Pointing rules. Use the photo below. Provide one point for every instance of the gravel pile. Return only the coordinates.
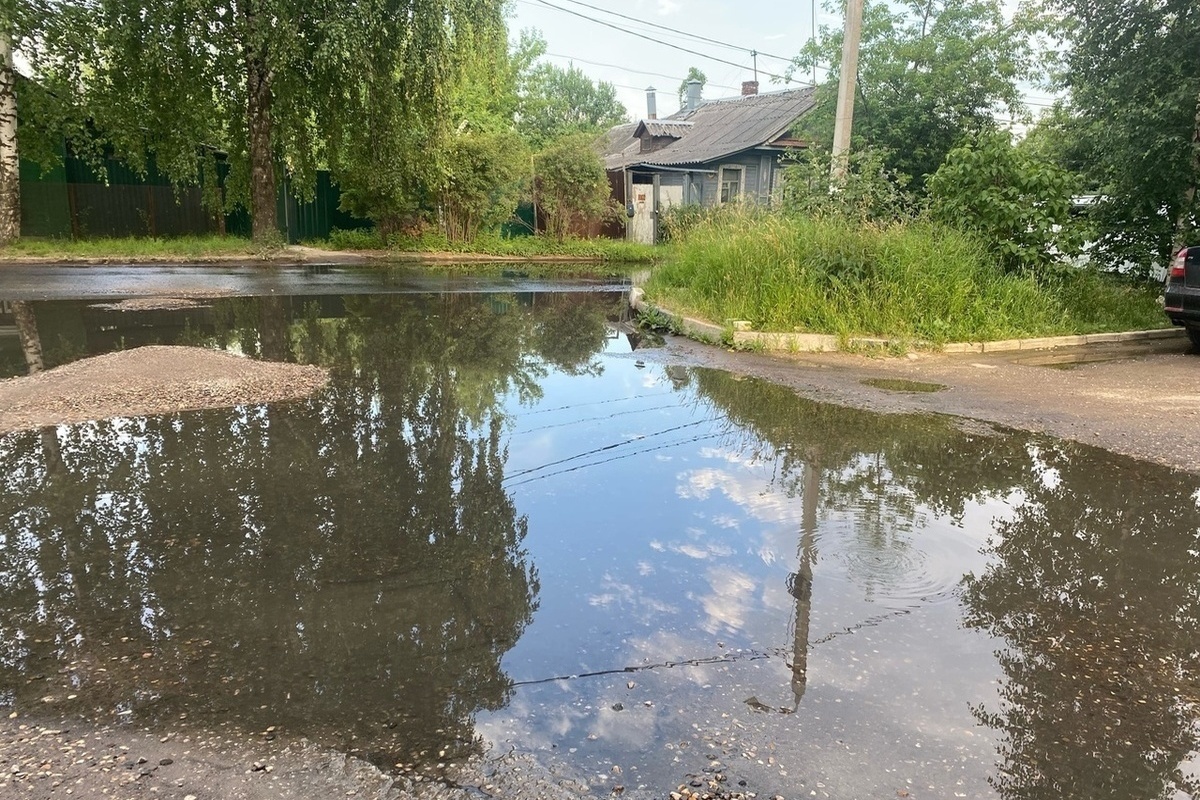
(146, 381)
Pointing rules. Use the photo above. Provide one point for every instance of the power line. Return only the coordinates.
(695, 36)
(661, 42)
(636, 71)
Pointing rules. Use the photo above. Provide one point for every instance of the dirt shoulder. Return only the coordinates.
(1141, 400)
(149, 380)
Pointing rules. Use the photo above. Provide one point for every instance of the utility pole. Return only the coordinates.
(846, 84)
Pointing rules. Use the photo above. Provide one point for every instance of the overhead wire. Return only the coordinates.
(636, 71)
(679, 32)
(649, 38)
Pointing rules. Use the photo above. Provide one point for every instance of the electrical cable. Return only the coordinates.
(695, 36)
(666, 44)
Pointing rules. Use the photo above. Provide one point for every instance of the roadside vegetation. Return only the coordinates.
(945, 226)
(135, 248)
(913, 280)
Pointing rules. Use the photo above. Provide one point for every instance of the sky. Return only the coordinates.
(632, 63)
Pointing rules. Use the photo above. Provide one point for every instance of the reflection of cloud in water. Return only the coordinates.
(634, 601)
(750, 492)
(730, 601)
(700, 551)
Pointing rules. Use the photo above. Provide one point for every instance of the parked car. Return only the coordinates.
(1181, 293)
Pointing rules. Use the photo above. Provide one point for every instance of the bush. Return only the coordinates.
(356, 239)
(868, 192)
(1019, 204)
(572, 187)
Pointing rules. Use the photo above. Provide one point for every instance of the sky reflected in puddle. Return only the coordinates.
(502, 527)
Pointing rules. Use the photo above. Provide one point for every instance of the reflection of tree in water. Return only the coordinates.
(1095, 586)
(346, 568)
(1095, 590)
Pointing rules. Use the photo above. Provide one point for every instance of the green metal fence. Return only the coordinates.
(74, 201)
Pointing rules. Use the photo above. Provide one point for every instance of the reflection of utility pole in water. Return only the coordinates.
(799, 583)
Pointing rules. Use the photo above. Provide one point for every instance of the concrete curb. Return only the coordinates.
(824, 343)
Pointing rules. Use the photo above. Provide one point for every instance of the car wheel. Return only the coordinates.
(1194, 335)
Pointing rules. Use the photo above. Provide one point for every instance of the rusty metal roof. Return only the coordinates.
(717, 129)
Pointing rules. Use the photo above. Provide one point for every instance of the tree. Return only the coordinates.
(1018, 203)
(556, 102)
(572, 188)
(10, 178)
(694, 74)
(277, 84)
(930, 72)
(1132, 119)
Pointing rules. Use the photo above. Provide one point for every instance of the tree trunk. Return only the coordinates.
(27, 332)
(1187, 213)
(10, 173)
(258, 113)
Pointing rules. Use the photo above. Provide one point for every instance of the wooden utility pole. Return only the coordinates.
(846, 85)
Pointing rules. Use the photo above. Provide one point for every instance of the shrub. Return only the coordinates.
(572, 187)
(868, 192)
(1018, 203)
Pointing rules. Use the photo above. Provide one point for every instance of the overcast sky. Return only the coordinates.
(633, 63)
(615, 54)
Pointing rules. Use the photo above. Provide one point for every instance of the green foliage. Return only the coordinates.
(569, 248)
(929, 72)
(195, 248)
(1019, 204)
(356, 239)
(694, 74)
(485, 178)
(912, 280)
(571, 185)
(869, 190)
(1132, 123)
(556, 102)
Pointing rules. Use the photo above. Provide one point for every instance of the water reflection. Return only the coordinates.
(496, 522)
(348, 568)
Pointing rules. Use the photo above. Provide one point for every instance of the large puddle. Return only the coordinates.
(505, 526)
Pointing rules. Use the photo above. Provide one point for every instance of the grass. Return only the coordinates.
(914, 281)
(134, 248)
(599, 249)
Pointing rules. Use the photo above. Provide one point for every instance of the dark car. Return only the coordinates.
(1181, 293)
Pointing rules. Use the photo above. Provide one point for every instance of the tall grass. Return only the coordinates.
(911, 280)
(599, 249)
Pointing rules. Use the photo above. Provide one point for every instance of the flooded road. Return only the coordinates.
(505, 527)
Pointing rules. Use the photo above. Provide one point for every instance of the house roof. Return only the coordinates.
(674, 129)
(718, 128)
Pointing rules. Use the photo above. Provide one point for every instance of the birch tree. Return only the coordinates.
(10, 178)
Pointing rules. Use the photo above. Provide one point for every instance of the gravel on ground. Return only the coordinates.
(146, 381)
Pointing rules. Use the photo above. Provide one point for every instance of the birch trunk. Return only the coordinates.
(10, 174)
(27, 332)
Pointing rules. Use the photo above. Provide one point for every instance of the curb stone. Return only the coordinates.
(824, 343)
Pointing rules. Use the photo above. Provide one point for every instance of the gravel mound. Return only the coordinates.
(147, 381)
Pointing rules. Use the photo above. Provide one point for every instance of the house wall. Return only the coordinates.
(758, 172)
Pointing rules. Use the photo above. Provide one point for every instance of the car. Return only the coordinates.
(1181, 293)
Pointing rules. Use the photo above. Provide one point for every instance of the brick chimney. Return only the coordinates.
(749, 87)
(651, 103)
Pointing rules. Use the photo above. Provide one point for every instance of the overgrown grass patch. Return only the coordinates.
(490, 244)
(133, 248)
(912, 280)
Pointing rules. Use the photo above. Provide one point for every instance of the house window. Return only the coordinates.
(731, 184)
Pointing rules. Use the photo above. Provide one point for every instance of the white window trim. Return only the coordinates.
(741, 182)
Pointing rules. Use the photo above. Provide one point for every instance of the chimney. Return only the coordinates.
(749, 87)
(651, 104)
(694, 88)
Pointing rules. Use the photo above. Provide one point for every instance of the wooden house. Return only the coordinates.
(709, 153)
